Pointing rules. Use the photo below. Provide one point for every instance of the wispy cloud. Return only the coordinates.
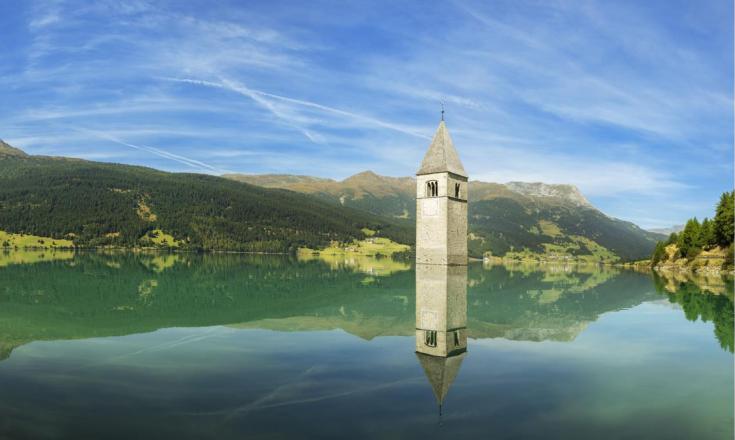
(193, 163)
(649, 92)
(44, 20)
(262, 98)
(595, 178)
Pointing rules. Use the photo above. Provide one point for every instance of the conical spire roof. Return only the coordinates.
(441, 157)
(441, 372)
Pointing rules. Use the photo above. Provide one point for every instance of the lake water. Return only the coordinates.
(186, 346)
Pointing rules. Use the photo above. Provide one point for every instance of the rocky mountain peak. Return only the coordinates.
(568, 193)
(363, 176)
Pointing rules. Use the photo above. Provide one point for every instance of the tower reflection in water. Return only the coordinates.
(441, 324)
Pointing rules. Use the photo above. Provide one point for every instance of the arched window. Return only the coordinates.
(432, 188)
(456, 190)
(430, 338)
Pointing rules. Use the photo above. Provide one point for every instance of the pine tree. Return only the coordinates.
(724, 223)
(707, 235)
(689, 241)
(673, 238)
(658, 253)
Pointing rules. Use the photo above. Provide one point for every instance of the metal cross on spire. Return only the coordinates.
(442, 103)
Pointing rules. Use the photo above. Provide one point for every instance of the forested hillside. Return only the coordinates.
(519, 225)
(100, 204)
(519, 220)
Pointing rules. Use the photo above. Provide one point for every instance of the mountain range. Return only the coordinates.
(104, 204)
(669, 230)
(515, 218)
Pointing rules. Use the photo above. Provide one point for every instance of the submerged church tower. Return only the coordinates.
(441, 204)
(441, 263)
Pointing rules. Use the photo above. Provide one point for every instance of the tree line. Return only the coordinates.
(708, 234)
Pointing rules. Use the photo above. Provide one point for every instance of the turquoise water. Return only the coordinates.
(178, 346)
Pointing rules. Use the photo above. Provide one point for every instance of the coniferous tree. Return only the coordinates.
(710, 233)
(658, 253)
(724, 222)
(707, 234)
(689, 240)
(673, 238)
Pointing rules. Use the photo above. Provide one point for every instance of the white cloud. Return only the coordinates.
(262, 98)
(593, 178)
(44, 20)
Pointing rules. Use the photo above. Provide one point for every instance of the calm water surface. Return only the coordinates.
(180, 346)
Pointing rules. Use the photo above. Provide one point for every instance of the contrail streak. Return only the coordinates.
(258, 95)
(157, 151)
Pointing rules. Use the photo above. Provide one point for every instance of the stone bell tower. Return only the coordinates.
(441, 204)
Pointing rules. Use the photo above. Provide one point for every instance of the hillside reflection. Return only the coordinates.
(699, 303)
(97, 295)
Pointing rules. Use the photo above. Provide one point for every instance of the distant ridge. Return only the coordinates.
(369, 182)
(276, 180)
(537, 189)
(551, 219)
(668, 231)
(103, 204)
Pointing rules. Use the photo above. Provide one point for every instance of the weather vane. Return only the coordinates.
(442, 103)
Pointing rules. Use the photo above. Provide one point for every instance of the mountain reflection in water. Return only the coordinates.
(97, 345)
(95, 295)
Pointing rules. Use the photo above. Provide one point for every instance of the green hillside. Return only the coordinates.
(100, 204)
(514, 220)
(507, 222)
(8, 150)
(52, 201)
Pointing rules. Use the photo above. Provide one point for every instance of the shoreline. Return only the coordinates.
(138, 249)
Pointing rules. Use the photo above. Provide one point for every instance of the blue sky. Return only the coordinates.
(631, 101)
